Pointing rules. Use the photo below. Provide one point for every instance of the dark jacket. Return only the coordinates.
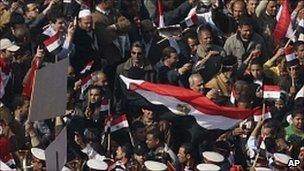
(86, 50)
(146, 72)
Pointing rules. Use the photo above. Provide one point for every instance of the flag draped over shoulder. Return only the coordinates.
(185, 103)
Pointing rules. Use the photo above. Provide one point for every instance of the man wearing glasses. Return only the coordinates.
(137, 66)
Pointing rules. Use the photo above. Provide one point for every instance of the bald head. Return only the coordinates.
(238, 9)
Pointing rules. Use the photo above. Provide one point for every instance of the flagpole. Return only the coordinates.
(109, 141)
(131, 138)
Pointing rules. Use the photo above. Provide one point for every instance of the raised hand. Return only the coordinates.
(39, 52)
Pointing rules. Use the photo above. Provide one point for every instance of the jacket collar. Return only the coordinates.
(128, 64)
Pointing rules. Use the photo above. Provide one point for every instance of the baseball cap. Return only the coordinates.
(6, 44)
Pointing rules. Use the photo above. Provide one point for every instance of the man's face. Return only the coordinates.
(294, 71)
(300, 53)
(192, 43)
(148, 33)
(245, 32)
(298, 121)
(266, 132)
(32, 11)
(238, 10)
(271, 8)
(119, 153)
(109, 4)
(151, 141)
(279, 104)
(25, 109)
(252, 5)
(140, 134)
(85, 23)
(140, 158)
(94, 96)
(148, 116)
(198, 84)
(7, 55)
(173, 59)
(182, 156)
(256, 71)
(59, 25)
(2, 8)
(101, 81)
(205, 38)
(136, 55)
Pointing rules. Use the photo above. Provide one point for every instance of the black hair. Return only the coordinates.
(188, 148)
(296, 112)
(256, 61)
(167, 52)
(297, 44)
(157, 134)
(137, 44)
(16, 19)
(137, 125)
(18, 101)
(244, 20)
(95, 87)
(127, 148)
(55, 14)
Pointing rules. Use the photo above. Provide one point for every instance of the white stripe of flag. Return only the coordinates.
(207, 114)
(87, 67)
(117, 123)
(52, 43)
(271, 92)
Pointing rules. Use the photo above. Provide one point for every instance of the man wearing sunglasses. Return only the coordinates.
(136, 66)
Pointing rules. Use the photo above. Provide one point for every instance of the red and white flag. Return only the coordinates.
(160, 10)
(53, 42)
(87, 67)
(117, 123)
(29, 83)
(105, 105)
(181, 101)
(161, 24)
(191, 20)
(290, 54)
(271, 92)
(85, 83)
(284, 26)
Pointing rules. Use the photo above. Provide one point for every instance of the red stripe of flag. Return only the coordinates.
(52, 43)
(283, 22)
(197, 100)
(27, 88)
(119, 119)
(271, 88)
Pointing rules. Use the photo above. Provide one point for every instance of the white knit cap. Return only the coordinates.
(84, 13)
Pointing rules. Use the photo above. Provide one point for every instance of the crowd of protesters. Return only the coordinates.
(229, 61)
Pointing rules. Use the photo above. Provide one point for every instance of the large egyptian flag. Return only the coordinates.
(185, 104)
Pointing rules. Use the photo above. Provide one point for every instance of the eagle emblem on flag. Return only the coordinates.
(183, 109)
